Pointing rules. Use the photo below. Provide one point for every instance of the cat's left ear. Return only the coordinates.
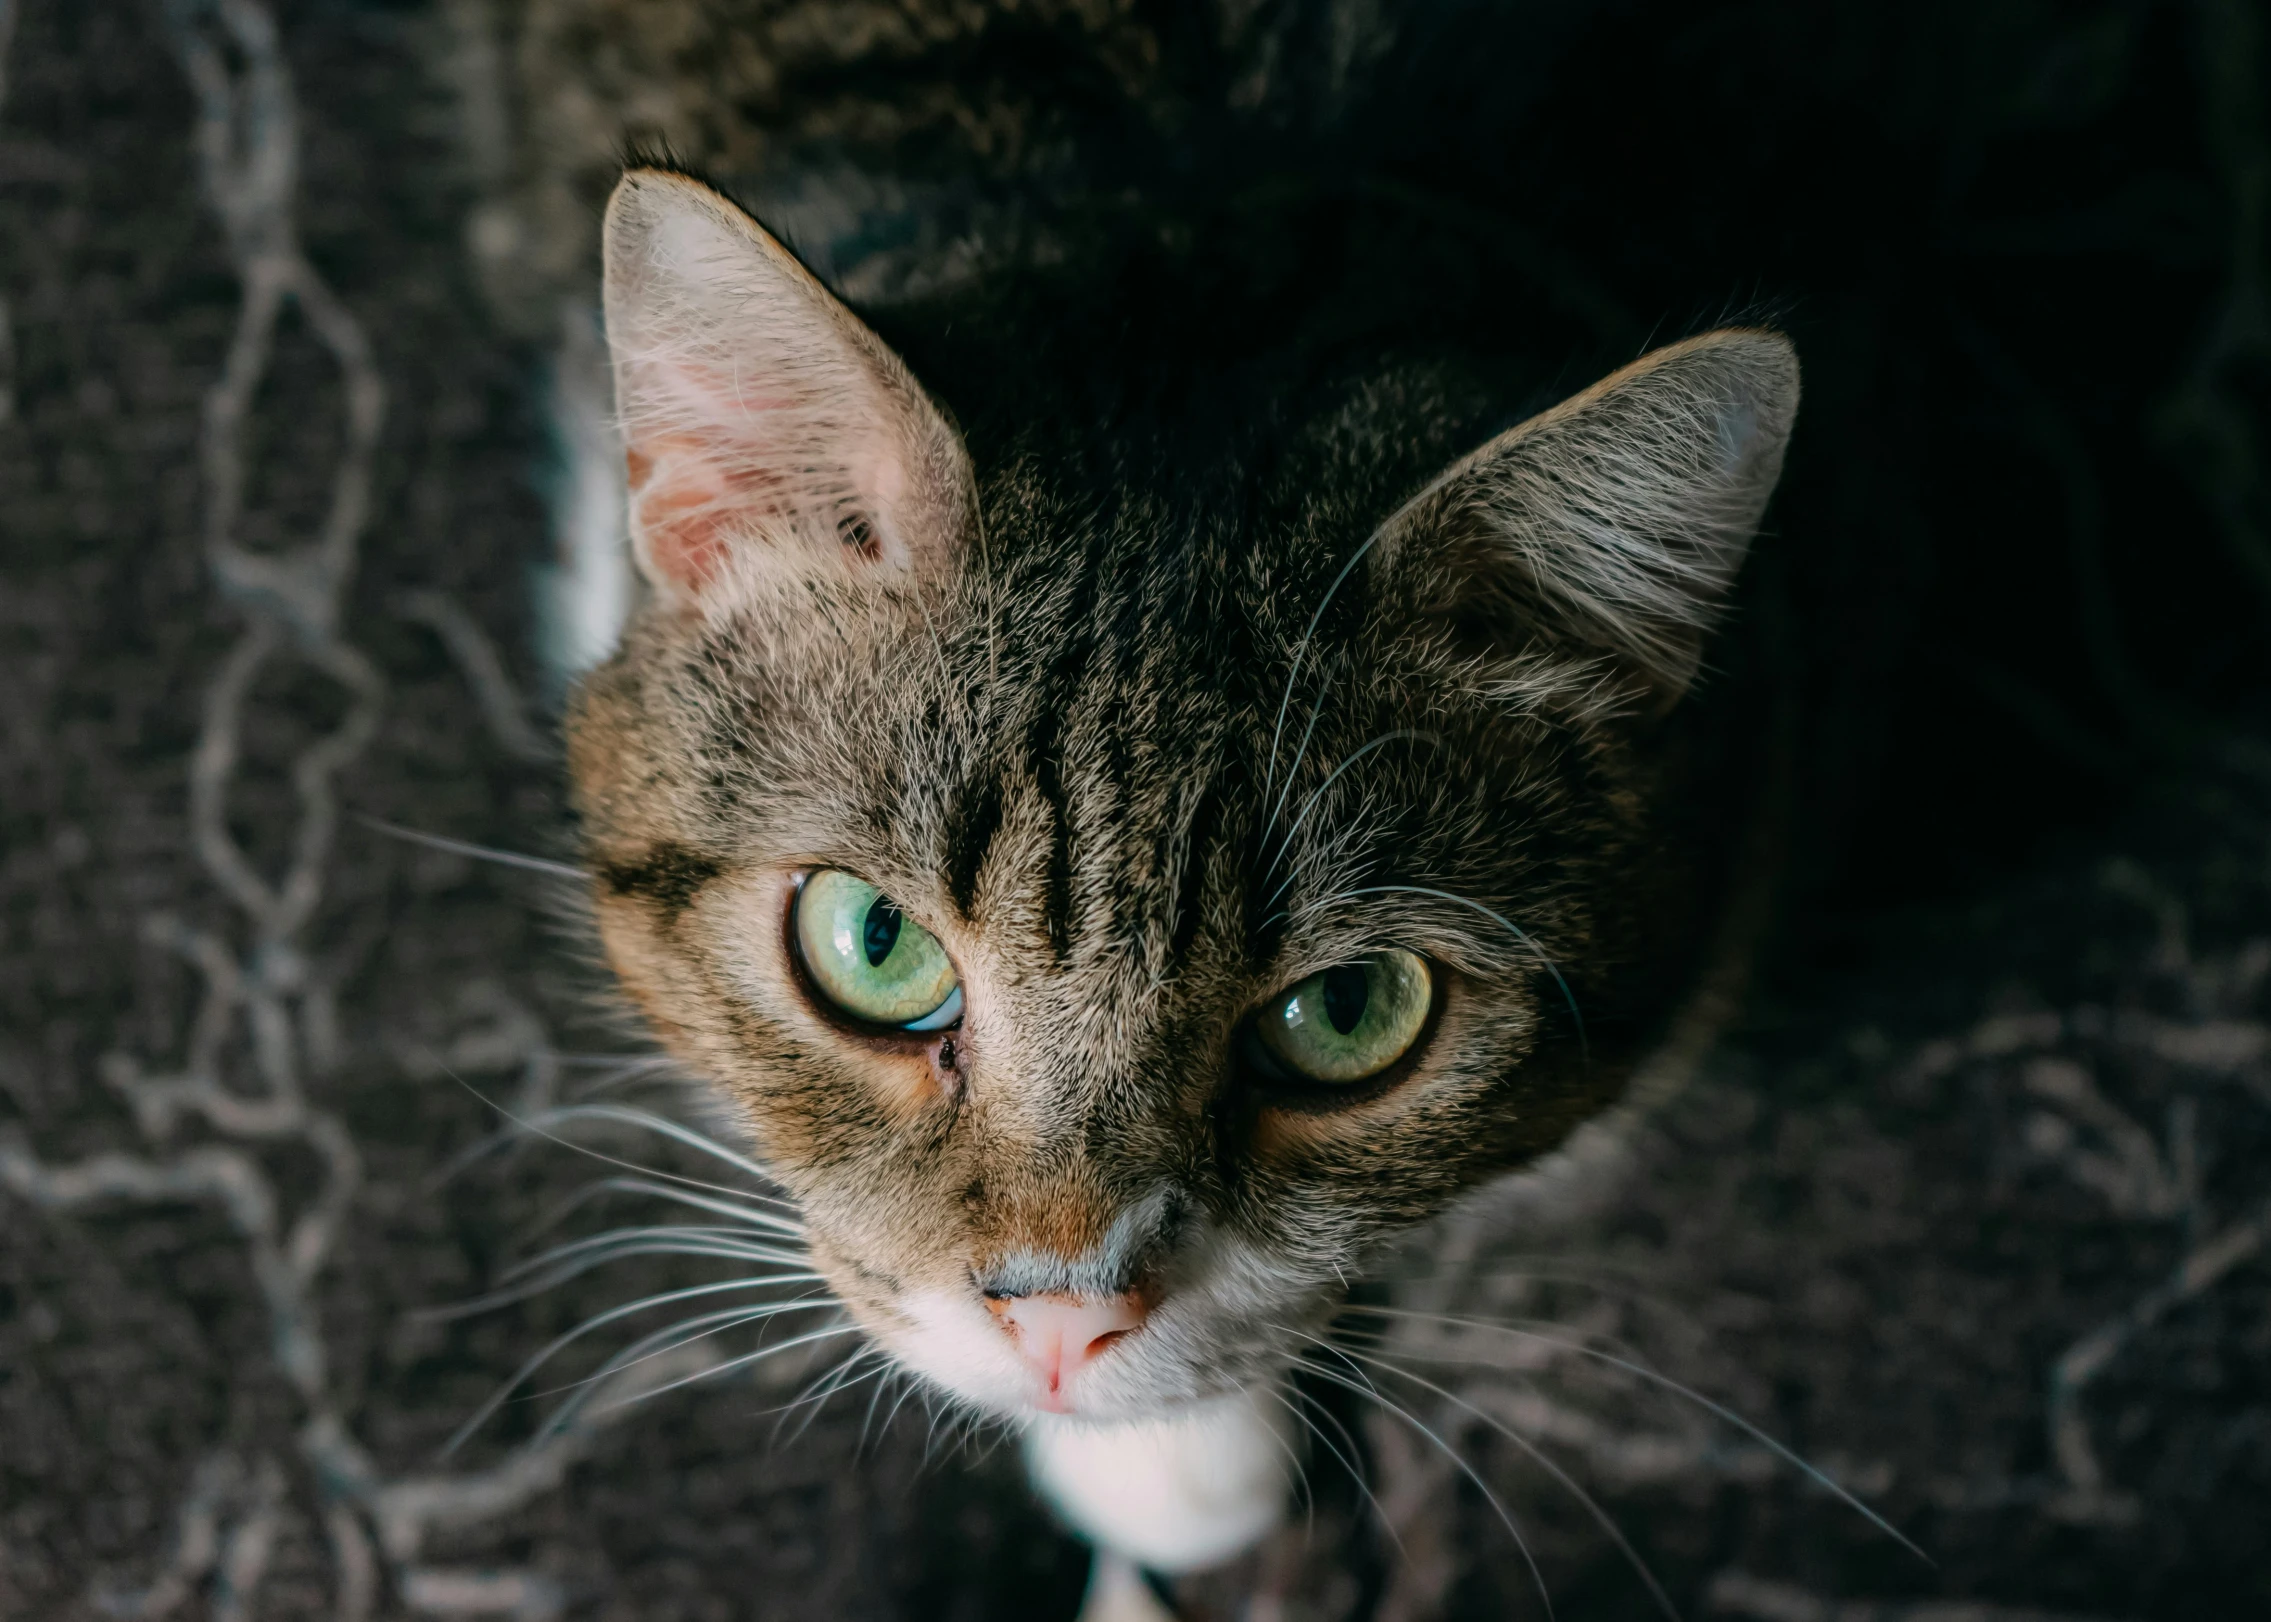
(766, 429)
(1615, 522)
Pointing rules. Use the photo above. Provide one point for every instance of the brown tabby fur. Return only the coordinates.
(1138, 762)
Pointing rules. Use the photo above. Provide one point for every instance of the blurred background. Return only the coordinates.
(1974, 1213)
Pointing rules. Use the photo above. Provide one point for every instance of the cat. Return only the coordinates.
(1154, 757)
(1127, 828)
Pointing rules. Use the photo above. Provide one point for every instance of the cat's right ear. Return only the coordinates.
(765, 428)
(1615, 522)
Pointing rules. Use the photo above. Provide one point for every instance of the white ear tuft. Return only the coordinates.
(1618, 519)
(765, 428)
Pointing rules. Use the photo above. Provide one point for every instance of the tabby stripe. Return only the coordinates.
(1187, 881)
(1054, 694)
(1048, 779)
(668, 875)
(973, 825)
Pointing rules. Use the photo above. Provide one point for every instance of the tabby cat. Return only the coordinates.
(1145, 767)
(1123, 850)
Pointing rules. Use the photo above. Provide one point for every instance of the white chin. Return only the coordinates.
(1178, 1492)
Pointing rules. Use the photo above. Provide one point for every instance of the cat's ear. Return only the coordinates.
(1616, 521)
(765, 428)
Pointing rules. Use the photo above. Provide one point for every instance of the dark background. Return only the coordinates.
(2022, 249)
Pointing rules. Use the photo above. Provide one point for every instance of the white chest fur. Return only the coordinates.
(1175, 1494)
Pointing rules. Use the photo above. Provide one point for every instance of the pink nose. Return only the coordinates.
(1059, 1335)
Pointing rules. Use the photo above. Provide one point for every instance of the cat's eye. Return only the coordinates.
(870, 959)
(1350, 1022)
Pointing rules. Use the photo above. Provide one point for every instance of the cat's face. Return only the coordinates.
(1110, 930)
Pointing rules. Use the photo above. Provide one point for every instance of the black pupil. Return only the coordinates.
(1347, 989)
(881, 931)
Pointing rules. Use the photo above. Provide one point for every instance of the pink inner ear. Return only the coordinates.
(687, 499)
(713, 467)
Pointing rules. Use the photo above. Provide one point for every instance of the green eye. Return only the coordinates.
(1349, 1022)
(869, 959)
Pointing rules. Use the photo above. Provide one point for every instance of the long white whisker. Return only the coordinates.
(542, 1282)
(867, 1421)
(1349, 1460)
(555, 1270)
(1380, 1341)
(833, 1381)
(1665, 1382)
(1302, 1486)
(910, 1386)
(1601, 1517)
(480, 853)
(1298, 1412)
(555, 1280)
(764, 1220)
(625, 1074)
(636, 1117)
(728, 1243)
(559, 1343)
(552, 1280)
(1308, 733)
(1293, 674)
(1332, 849)
(1608, 1287)
(930, 1436)
(625, 1115)
(1310, 804)
(1293, 1458)
(1574, 1267)
(1364, 1387)
(726, 1367)
(685, 1332)
(992, 1436)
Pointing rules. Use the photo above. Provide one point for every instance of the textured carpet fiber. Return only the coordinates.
(1981, 1230)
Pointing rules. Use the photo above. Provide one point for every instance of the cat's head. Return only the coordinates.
(1110, 919)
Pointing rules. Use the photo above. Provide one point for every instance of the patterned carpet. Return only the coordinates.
(1972, 1220)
